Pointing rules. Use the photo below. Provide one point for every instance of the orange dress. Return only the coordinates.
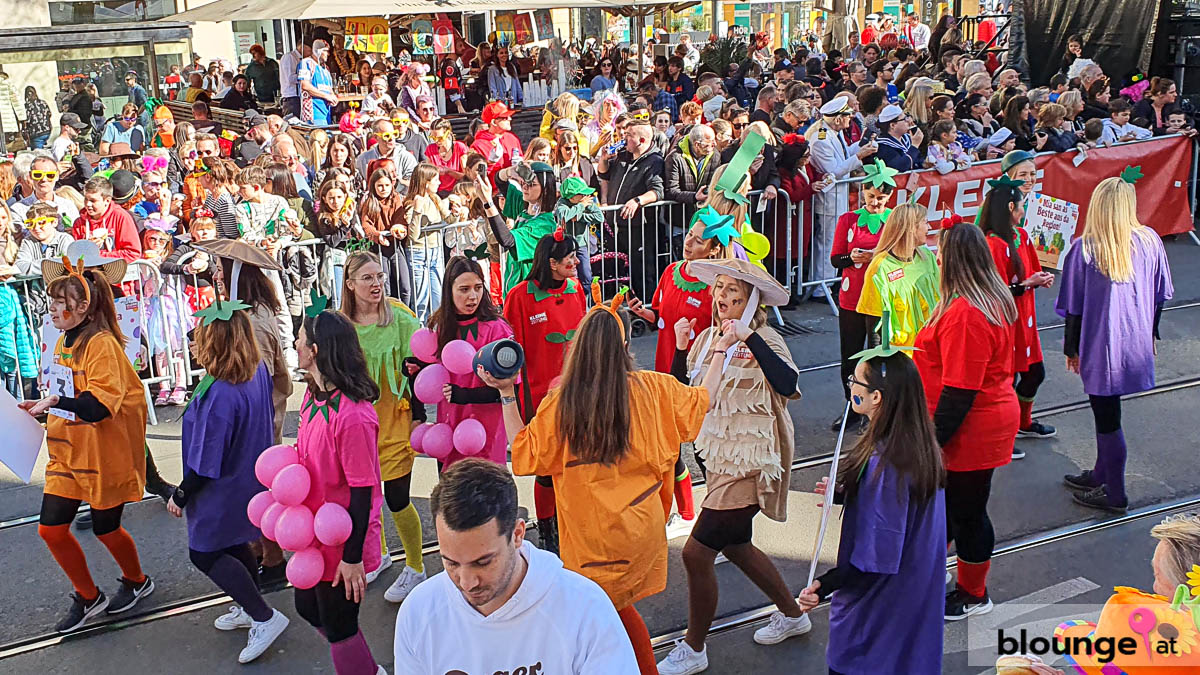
(611, 525)
(102, 463)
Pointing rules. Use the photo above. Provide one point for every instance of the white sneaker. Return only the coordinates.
(720, 559)
(683, 660)
(234, 619)
(262, 635)
(781, 627)
(678, 527)
(380, 670)
(374, 574)
(403, 585)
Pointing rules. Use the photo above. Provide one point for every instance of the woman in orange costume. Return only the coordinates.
(95, 433)
(544, 311)
(609, 436)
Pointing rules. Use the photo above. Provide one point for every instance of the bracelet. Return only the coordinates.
(508, 400)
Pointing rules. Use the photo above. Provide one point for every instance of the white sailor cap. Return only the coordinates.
(872, 17)
(891, 113)
(837, 104)
(1000, 137)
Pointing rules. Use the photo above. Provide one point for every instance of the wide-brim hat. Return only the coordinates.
(112, 269)
(240, 251)
(771, 292)
(119, 149)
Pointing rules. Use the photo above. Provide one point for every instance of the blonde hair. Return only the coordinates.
(318, 145)
(1051, 115)
(1182, 534)
(905, 228)
(724, 205)
(1111, 227)
(70, 194)
(704, 93)
(1070, 99)
(10, 236)
(968, 272)
(760, 127)
(349, 307)
(566, 106)
(537, 144)
(917, 102)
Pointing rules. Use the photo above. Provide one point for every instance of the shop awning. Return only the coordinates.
(249, 10)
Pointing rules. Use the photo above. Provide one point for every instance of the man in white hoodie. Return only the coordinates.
(502, 605)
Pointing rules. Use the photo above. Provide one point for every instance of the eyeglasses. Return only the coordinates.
(38, 174)
(851, 380)
(386, 135)
(372, 278)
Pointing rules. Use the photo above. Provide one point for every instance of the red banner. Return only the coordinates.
(1162, 191)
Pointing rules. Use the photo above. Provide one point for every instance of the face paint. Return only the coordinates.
(66, 314)
(857, 399)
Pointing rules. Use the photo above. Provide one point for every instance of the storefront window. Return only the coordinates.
(77, 12)
(166, 55)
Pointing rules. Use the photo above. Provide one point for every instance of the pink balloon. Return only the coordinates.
(438, 441)
(469, 437)
(294, 528)
(269, 518)
(305, 568)
(429, 383)
(332, 524)
(457, 356)
(271, 462)
(424, 345)
(291, 485)
(418, 435)
(258, 505)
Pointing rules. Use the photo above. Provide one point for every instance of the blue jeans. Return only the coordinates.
(39, 141)
(585, 262)
(427, 271)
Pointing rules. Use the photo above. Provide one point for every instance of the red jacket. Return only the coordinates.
(798, 187)
(484, 146)
(122, 233)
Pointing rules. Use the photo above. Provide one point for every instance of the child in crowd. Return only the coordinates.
(578, 214)
(299, 269)
(946, 154)
(1117, 128)
(1093, 130)
(195, 267)
(165, 312)
(999, 144)
(259, 212)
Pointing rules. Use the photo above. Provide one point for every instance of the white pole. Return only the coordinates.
(827, 506)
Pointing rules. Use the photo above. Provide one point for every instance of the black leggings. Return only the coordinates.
(204, 560)
(1029, 381)
(719, 529)
(327, 609)
(61, 511)
(396, 491)
(853, 329)
(967, 522)
(1107, 412)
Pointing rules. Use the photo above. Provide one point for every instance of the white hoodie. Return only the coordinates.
(557, 623)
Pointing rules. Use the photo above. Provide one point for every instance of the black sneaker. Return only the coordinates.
(81, 610)
(84, 520)
(1098, 499)
(1018, 453)
(272, 577)
(961, 604)
(1037, 430)
(129, 594)
(1083, 481)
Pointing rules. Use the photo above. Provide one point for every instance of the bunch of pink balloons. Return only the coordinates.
(438, 440)
(283, 517)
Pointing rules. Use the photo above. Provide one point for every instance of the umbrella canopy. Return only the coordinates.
(224, 10)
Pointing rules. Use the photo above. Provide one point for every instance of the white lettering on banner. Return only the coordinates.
(967, 192)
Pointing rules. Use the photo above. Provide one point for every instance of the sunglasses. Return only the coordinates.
(606, 65)
(641, 115)
(743, 125)
(129, 119)
(43, 221)
(37, 174)
(151, 186)
(386, 135)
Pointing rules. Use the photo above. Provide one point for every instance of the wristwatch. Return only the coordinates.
(506, 400)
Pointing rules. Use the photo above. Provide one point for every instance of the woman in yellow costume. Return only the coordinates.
(385, 326)
(609, 435)
(902, 278)
(95, 431)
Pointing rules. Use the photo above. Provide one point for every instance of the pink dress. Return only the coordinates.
(490, 415)
(337, 443)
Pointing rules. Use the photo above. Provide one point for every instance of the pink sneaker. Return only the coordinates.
(164, 395)
(178, 397)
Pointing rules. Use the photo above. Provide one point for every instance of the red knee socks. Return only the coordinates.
(683, 495)
(972, 577)
(639, 636)
(124, 551)
(543, 501)
(1026, 412)
(66, 551)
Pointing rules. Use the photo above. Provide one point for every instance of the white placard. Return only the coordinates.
(60, 381)
(1051, 224)
(23, 437)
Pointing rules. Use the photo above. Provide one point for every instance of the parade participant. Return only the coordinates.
(854, 243)
(902, 277)
(224, 431)
(338, 445)
(95, 432)
(893, 529)
(467, 313)
(502, 605)
(748, 458)
(831, 155)
(1117, 268)
(385, 326)
(965, 355)
(544, 312)
(530, 212)
(609, 436)
(1016, 260)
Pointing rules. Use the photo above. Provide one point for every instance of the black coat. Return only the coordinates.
(628, 177)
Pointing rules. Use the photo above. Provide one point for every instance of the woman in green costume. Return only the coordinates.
(529, 211)
(902, 278)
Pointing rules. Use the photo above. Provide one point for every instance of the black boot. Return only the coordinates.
(548, 534)
(155, 484)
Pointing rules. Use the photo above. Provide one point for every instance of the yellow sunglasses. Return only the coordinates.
(38, 174)
(44, 220)
(386, 135)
